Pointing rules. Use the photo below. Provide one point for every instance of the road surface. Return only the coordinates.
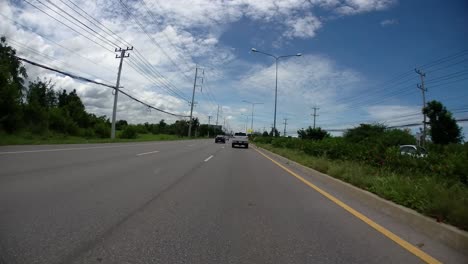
(179, 202)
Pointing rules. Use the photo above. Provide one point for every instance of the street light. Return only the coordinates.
(246, 121)
(276, 83)
(253, 105)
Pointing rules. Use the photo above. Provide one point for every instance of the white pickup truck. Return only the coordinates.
(240, 139)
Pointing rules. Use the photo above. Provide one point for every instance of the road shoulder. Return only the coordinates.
(442, 241)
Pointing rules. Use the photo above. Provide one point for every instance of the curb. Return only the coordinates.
(444, 233)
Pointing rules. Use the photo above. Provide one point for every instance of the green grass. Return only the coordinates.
(443, 199)
(54, 138)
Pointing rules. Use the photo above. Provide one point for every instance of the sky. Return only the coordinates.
(357, 66)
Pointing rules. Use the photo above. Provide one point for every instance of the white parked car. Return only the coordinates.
(413, 150)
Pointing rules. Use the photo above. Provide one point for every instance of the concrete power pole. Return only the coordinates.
(217, 115)
(315, 113)
(423, 90)
(209, 121)
(224, 124)
(285, 124)
(116, 91)
(193, 98)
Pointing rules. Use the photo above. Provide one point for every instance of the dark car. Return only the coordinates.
(220, 138)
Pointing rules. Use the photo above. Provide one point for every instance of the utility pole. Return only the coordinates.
(217, 115)
(315, 113)
(209, 120)
(116, 91)
(423, 90)
(193, 98)
(285, 124)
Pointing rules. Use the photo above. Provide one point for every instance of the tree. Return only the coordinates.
(12, 75)
(277, 134)
(75, 108)
(444, 128)
(180, 128)
(41, 93)
(40, 99)
(363, 132)
(313, 133)
(265, 134)
(121, 124)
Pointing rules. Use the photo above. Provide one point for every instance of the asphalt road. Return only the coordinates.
(174, 202)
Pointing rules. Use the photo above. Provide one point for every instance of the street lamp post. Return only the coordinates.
(246, 121)
(253, 105)
(276, 81)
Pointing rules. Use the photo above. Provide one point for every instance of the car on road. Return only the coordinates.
(220, 138)
(413, 150)
(240, 139)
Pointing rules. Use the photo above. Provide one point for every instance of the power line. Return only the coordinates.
(98, 83)
(403, 78)
(61, 62)
(153, 40)
(58, 44)
(68, 26)
(166, 84)
(77, 20)
(164, 33)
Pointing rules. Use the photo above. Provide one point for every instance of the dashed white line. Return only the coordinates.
(191, 145)
(207, 159)
(145, 153)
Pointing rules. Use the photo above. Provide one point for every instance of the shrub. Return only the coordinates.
(89, 133)
(129, 132)
(102, 130)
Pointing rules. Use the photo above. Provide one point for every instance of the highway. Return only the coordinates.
(187, 201)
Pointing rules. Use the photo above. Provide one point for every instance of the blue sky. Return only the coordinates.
(356, 65)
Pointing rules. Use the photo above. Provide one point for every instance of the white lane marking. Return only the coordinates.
(191, 145)
(145, 153)
(222, 147)
(207, 159)
(67, 149)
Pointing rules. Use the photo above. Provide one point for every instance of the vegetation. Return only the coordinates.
(444, 128)
(56, 138)
(313, 133)
(40, 112)
(368, 157)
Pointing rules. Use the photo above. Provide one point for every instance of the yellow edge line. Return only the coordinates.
(406, 245)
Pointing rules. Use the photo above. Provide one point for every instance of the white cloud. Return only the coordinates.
(303, 27)
(182, 33)
(302, 82)
(388, 22)
(352, 7)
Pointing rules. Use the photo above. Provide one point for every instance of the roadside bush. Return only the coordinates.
(396, 137)
(89, 133)
(139, 129)
(102, 130)
(263, 140)
(129, 132)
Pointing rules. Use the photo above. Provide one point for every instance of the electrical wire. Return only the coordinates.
(98, 83)
(99, 44)
(142, 27)
(160, 79)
